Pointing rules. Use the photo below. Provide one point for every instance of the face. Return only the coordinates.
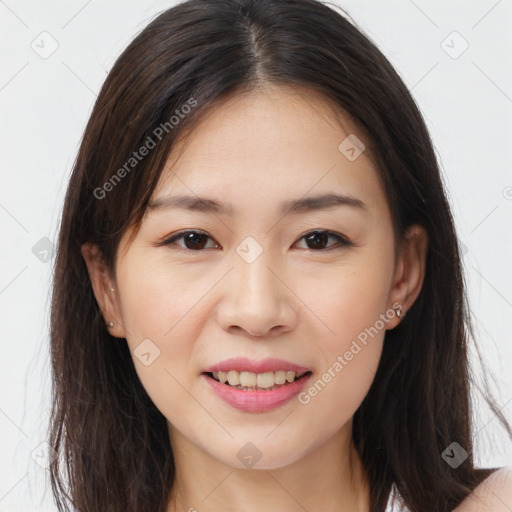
(254, 277)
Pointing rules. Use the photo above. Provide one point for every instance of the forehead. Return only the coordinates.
(267, 146)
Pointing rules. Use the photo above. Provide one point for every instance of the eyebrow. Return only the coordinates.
(302, 205)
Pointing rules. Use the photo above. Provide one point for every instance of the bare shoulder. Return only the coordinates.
(494, 494)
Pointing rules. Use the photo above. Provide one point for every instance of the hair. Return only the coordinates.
(112, 441)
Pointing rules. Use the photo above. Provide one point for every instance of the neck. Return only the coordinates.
(329, 478)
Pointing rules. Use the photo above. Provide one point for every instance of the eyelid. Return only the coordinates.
(169, 240)
(343, 241)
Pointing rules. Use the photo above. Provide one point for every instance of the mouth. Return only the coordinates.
(256, 386)
(251, 381)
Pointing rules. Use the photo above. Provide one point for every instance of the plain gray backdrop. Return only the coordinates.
(454, 57)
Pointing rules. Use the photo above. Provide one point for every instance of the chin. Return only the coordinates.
(262, 455)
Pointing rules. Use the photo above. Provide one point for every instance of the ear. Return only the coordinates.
(410, 271)
(104, 290)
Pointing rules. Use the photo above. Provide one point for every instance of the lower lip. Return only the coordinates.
(257, 401)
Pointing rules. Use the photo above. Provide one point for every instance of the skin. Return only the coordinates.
(293, 302)
(494, 494)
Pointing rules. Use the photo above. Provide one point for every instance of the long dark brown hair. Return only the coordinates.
(113, 443)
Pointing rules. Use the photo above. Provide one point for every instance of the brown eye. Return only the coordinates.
(192, 240)
(318, 240)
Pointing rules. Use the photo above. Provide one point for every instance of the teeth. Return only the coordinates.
(248, 379)
(260, 380)
(233, 378)
(280, 377)
(265, 380)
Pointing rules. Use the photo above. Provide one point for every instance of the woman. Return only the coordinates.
(258, 299)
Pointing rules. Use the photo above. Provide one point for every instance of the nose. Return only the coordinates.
(256, 300)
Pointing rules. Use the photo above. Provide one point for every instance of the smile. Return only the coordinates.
(256, 381)
(253, 398)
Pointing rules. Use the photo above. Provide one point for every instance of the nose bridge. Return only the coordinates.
(255, 278)
(254, 299)
(256, 287)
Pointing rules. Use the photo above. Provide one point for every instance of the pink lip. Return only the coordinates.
(256, 401)
(242, 364)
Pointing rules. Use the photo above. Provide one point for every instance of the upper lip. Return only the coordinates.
(242, 364)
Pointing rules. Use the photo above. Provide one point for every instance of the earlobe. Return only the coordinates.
(103, 290)
(410, 271)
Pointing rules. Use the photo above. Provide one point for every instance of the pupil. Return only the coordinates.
(194, 238)
(315, 237)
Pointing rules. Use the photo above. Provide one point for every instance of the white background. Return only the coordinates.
(45, 103)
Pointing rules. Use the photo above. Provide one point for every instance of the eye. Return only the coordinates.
(193, 240)
(317, 240)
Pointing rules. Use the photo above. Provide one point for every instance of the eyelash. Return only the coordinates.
(342, 240)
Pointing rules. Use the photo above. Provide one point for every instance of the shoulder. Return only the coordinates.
(494, 494)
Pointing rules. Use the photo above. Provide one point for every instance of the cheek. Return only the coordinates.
(348, 357)
(337, 391)
(350, 353)
(351, 302)
(352, 307)
(158, 311)
(156, 298)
